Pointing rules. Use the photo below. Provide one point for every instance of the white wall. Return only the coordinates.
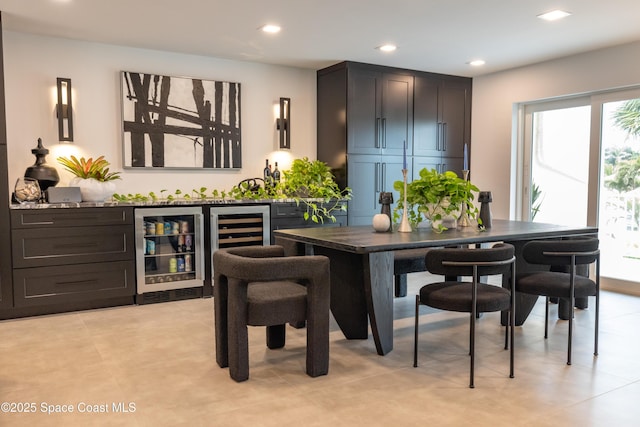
(495, 95)
(32, 64)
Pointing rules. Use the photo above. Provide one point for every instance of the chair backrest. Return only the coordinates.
(436, 259)
(549, 252)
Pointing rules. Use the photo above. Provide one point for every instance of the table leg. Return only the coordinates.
(378, 285)
(362, 293)
(348, 301)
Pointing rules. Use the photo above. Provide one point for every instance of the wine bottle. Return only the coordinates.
(266, 173)
(276, 174)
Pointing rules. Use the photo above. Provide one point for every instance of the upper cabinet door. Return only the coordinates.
(455, 115)
(364, 112)
(426, 128)
(379, 113)
(397, 114)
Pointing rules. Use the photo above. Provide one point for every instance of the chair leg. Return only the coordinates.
(472, 350)
(238, 350)
(512, 327)
(546, 318)
(570, 334)
(595, 345)
(415, 332)
(400, 285)
(276, 336)
(318, 344)
(506, 332)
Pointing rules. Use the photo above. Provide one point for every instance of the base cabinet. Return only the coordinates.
(291, 215)
(71, 259)
(73, 283)
(67, 259)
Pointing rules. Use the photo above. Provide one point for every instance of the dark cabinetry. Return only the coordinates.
(291, 215)
(6, 291)
(368, 114)
(380, 111)
(83, 257)
(441, 122)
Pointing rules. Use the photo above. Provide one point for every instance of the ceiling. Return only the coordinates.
(432, 35)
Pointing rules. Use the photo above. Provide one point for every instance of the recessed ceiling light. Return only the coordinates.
(554, 15)
(387, 47)
(271, 28)
(476, 62)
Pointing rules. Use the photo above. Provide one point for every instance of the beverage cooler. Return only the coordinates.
(169, 253)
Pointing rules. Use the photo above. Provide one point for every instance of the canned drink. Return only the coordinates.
(187, 262)
(167, 227)
(151, 228)
(173, 265)
(184, 226)
(181, 244)
(160, 228)
(188, 242)
(181, 265)
(151, 247)
(175, 227)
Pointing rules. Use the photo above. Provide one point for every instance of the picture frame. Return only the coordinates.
(180, 122)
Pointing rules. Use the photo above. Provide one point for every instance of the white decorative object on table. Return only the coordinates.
(381, 222)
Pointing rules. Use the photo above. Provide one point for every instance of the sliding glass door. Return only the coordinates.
(619, 201)
(557, 162)
(581, 166)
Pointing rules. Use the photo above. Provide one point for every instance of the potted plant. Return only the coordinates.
(437, 197)
(92, 176)
(313, 184)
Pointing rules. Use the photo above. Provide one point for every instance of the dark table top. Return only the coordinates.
(363, 239)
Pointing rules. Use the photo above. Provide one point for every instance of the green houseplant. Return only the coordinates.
(437, 196)
(308, 182)
(92, 176)
(313, 184)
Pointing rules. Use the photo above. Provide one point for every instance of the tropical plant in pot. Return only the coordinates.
(438, 197)
(92, 176)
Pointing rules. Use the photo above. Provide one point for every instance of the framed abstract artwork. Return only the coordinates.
(180, 122)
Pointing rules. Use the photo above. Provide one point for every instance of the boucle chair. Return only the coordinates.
(562, 281)
(470, 297)
(259, 286)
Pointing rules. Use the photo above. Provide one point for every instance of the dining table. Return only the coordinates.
(362, 262)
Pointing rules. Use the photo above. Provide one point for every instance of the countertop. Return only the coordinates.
(159, 203)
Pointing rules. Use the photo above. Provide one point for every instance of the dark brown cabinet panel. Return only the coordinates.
(60, 217)
(73, 283)
(442, 121)
(72, 245)
(379, 112)
(71, 258)
(291, 215)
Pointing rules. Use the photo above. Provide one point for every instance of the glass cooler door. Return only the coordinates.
(169, 248)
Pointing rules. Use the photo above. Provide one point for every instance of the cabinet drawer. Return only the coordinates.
(73, 283)
(72, 217)
(72, 245)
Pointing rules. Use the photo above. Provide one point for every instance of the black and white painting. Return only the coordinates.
(178, 122)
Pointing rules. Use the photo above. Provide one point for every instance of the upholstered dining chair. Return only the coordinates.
(470, 297)
(562, 281)
(259, 286)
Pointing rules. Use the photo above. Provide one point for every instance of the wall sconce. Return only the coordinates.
(283, 123)
(63, 110)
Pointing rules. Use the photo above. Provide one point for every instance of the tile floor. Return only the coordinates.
(157, 362)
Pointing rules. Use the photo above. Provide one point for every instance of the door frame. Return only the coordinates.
(523, 125)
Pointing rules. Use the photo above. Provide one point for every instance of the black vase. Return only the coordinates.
(47, 176)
